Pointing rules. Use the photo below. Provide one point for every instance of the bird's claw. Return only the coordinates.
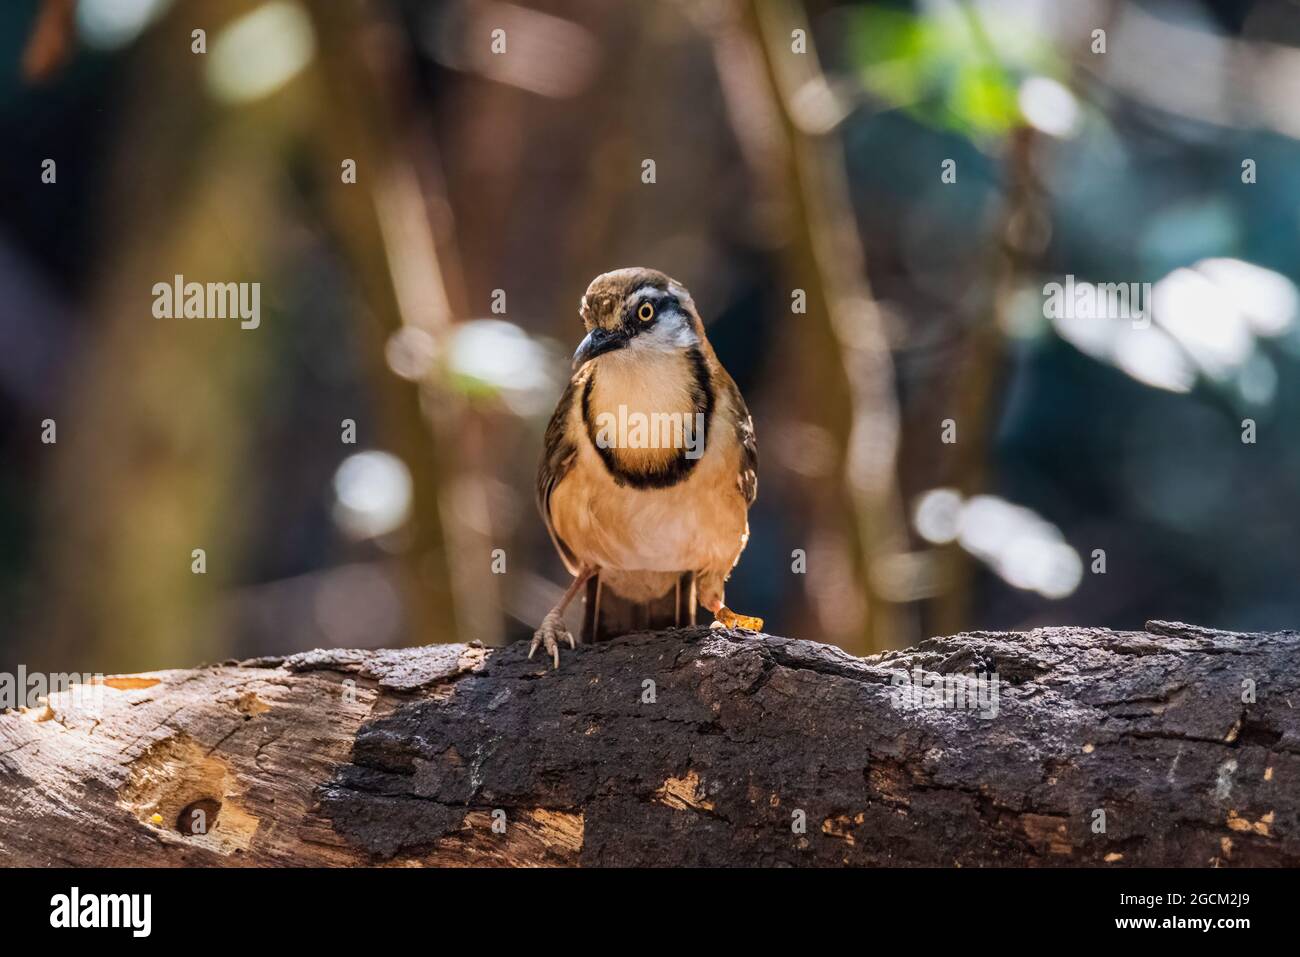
(724, 617)
(553, 630)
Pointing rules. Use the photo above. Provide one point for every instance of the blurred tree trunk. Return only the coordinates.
(153, 457)
(977, 395)
(405, 263)
(163, 412)
(1023, 231)
(840, 346)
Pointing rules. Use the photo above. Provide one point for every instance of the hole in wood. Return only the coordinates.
(198, 817)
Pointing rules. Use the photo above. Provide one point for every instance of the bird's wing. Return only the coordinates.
(747, 476)
(558, 456)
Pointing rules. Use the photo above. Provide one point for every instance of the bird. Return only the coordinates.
(649, 467)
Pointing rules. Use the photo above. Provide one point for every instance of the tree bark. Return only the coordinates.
(1173, 746)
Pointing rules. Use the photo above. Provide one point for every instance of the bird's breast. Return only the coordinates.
(649, 416)
(699, 523)
(689, 514)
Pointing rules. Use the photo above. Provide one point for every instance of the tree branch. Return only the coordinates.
(680, 747)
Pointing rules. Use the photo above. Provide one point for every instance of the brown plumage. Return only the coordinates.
(649, 467)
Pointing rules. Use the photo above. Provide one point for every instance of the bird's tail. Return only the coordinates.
(607, 614)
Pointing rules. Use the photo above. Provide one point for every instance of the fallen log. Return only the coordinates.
(1060, 746)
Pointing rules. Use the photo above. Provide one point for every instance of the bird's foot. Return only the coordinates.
(724, 617)
(553, 630)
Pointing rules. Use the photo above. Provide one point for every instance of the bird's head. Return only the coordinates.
(639, 310)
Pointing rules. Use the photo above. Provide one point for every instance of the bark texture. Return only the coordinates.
(685, 747)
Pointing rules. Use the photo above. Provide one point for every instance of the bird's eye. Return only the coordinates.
(646, 312)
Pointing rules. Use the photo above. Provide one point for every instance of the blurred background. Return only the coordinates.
(866, 201)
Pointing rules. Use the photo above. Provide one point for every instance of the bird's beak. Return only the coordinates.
(598, 342)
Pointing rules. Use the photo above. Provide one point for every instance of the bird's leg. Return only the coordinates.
(724, 617)
(553, 630)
